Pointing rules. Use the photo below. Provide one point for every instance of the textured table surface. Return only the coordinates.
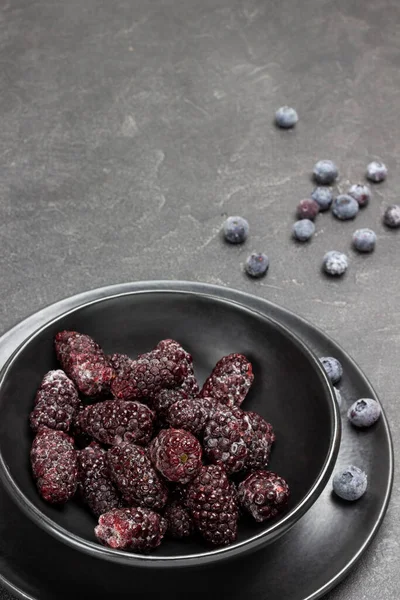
(131, 128)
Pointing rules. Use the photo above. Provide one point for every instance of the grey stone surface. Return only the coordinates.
(131, 129)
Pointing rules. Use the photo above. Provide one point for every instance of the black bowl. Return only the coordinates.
(290, 390)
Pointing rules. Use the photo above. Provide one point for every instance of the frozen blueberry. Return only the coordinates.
(338, 397)
(322, 195)
(364, 412)
(350, 483)
(344, 207)
(391, 218)
(307, 209)
(376, 171)
(332, 367)
(364, 240)
(303, 230)
(236, 230)
(286, 117)
(361, 193)
(335, 263)
(325, 172)
(257, 264)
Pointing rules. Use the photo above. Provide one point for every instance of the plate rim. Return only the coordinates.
(50, 310)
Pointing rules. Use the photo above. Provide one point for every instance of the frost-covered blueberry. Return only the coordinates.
(364, 412)
(257, 264)
(350, 483)
(361, 193)
(335, 263)
(323, 196)
(325, 172)
(332, 367)
(303, 230)
(236, 230)
(364, 240)
(286, 117)
(344, 207)
(376, 171)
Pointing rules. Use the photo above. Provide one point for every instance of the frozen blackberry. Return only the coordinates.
(95, 485)
(391, 217)
(175, 352)
(325, 172)
(286, 117)
(211, 501)
(146, 376)
(223, 441)
(179, 522)
(114, 421)
(84, 362)
(364, 412)
(236, 230)
(361, 193)
(307, 209)
(260, 444)
(229, 381)
(163, 401)
(191, 415)
(333, 368)
(350, 483)
(54, 465)
(119, 361)
(376, 171)
(134, 475)
(263, 494)
(176, 454)
(137, 529)
(56, 402)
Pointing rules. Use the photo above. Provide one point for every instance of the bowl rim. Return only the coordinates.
(208, 556)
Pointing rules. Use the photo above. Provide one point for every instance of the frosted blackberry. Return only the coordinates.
(54, 465)
(114, 421)
(56, 402)
(95, 485)
(211, 501)
(175, 352)
(85, 363)
(138, 529)
(146, 376)
(230, 380)
(176, 454)
(179, 522)
(264, 495)
(135, 477)
(260, 443)
(191, 415)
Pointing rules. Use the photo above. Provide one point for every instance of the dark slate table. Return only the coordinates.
(130, 129)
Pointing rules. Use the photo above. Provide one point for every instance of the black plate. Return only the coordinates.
(291, 391)
(303, 565)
